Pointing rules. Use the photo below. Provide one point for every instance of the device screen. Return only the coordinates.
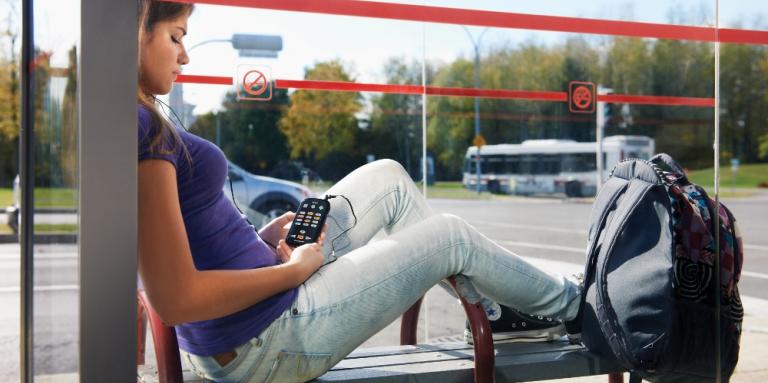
(309, 221)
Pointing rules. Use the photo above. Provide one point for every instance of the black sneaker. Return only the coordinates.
(521, 327)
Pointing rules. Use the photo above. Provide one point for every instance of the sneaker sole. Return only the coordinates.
(543, 335)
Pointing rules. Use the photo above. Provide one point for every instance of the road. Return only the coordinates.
(548, 232)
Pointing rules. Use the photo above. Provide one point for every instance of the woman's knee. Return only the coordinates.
(452, 221)
(388, 168)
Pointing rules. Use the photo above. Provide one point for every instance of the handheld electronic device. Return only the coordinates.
(308, 222)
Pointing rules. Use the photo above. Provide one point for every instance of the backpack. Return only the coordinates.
(650, 291)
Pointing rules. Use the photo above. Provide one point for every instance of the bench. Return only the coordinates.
(448, 361)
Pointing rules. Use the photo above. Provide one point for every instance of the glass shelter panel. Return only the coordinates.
(55, 150)
(530, 113)
(10, 115)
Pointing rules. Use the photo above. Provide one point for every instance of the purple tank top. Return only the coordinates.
(219, 237)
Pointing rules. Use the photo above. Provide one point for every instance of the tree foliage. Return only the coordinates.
(395, 130)
(319, 123)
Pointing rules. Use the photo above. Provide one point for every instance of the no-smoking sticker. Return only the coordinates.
(581, 97)
(253, 83)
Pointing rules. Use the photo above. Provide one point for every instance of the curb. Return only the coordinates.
(63, 238)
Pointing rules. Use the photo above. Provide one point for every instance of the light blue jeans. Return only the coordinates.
(365, 286)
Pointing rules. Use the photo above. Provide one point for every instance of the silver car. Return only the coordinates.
(263, 198)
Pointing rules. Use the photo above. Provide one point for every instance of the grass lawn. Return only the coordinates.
(454, 190)
(748, 176)
(44, 197)
(45, 228)
(6, 197)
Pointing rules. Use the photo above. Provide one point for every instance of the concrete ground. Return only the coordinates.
(752, 367)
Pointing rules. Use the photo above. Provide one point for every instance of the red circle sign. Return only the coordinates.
(582, 97)
(254, 83)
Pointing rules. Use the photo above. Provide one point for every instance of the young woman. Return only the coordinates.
(246, 306)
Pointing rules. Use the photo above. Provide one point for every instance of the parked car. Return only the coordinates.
(12, 212)
(294, 170)
(263, 198)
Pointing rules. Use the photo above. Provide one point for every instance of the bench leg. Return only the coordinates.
(166, 345)
(616, 377)
(485, 359)
(141, 319)
(409, 324)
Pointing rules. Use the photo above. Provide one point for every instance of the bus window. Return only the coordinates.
(469, 165)
(493, 165)
(513, 164)
(579, 162)
(549, 164)
(527, 164)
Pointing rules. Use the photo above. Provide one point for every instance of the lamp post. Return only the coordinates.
(476, 45)
(247, 45)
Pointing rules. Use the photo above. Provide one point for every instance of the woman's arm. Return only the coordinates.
(178, 291)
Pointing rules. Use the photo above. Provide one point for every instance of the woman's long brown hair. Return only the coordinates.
(150, 13)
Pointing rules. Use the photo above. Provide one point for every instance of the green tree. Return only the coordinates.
(743, 81)
(684, 68)
(9, 122)
(9, 100)
(395, 129)
(248, 130)
(319, 123)
(69, 123)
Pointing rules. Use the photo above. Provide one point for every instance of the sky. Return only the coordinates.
(364, 44)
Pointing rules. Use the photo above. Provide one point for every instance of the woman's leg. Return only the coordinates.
(382, 195)
(349, 300)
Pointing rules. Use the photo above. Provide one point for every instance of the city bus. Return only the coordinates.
(549, 166)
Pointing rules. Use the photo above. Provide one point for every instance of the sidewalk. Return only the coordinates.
(751, 368)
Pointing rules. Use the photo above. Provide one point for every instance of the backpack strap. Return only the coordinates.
(606, 198)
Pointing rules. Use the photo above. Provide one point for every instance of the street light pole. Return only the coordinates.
(476, 45)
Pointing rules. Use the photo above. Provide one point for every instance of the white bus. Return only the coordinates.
(549, 166)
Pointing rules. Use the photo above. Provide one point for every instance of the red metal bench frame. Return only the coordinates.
(169, 361)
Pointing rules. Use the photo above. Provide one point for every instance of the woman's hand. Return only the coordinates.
(306, 259)
(276, 230)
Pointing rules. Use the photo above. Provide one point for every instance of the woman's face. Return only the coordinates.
(162, 55)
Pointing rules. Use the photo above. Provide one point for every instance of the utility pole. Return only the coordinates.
(478, 140)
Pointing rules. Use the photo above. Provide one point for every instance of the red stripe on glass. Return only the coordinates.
(349, 86)
(533, 95)
(743, 36)
(417, 89)
(530, 95)
(445, 15)
(701, 102)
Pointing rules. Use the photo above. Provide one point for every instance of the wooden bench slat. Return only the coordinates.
(427, 362)
(447, 371)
